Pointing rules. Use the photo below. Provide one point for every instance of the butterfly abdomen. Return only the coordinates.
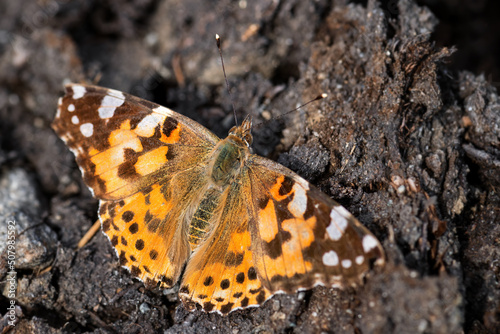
(200, 223)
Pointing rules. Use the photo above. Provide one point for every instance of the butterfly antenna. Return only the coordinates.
(319, 97)
(217, 38)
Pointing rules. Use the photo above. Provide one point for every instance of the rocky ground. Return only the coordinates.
(408, 140)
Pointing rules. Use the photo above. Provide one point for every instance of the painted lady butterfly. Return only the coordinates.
(173, 194)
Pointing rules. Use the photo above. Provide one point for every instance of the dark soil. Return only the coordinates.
(408, 140)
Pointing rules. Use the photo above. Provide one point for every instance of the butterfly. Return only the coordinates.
(179, 203)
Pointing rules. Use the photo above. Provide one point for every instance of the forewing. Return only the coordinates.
(123, 143)
(300, 237)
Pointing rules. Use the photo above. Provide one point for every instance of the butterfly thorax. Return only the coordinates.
(230, 154)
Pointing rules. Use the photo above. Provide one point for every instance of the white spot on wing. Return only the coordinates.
(109, 103)
(346, 263)
(75, 120)
(78, 91)
(342, 211)
(359, 259)
(87, 129)
(330, 258)
(116, 93)
(163, 111)
(71, 107)
(369, 243)
(338, 223)
(299, 204)
(146, 127)
(302, 182)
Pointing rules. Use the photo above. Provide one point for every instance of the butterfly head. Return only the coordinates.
(243, 131)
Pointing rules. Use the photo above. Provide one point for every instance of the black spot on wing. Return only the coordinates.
(169, 125)
(106, 224)
(127, 216)
(226, 308)
(135, 271)
(240, 278)
(123, 258)
(139, 244)
(126, 170)
(170, 153)
(153, 254)
(224, 284)
(252, 274)
(261, 297)
(134, 228)
(208, 306)
(273, 248)
(112, 208)
(286, 186)
(208, 281)
(233, 259)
